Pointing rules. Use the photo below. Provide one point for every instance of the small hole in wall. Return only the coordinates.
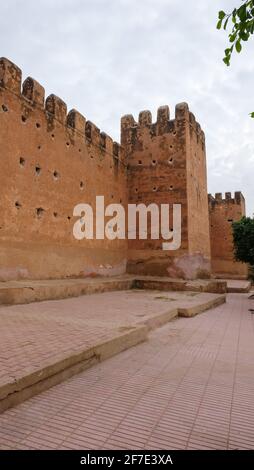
(17, 205)
(22, 162)
(53, 136)
(155, 188)
(136, 190)
(112, 196)
(79, 150)
(38, 125)
(171, 187)
(171, 146)
(91, 156)
(230, 220)
(55, 214)
(67, 144)
(39, 212)
(23, 118)
(170, 160)
(120, 201)
(37, 169)
(174, 133)
(56, 175)
(154, 162)
(140, 162)
(81, 185)
(39, 147)
(69, 217)
(4, 108)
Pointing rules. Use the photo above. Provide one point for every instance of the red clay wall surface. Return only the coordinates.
(51, 161)
(166, 165)
(222, 213)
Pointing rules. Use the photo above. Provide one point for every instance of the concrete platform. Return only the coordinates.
(238, 286)
(168, 284)
(22, 292)
(42, 344)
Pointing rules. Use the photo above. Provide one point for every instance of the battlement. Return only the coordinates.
(57, 159)
(130, 129)
(54, 109)
(236, 198)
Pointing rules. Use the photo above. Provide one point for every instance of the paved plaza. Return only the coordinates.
(189, 386)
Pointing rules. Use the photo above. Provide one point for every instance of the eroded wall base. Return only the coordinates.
(58, 262)
(228, 269)
(183, 267)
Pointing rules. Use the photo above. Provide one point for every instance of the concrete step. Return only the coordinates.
(238, 286)
(24, 292)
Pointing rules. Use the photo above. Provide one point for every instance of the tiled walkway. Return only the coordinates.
(191, 386)
(39, 335)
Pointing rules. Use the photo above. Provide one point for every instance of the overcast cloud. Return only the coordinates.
(107, 58)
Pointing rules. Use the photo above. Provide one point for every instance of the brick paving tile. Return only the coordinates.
(190, 386)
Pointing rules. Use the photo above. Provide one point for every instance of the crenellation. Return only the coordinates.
(192, 120)
(57, 108)
(198, 129)
(103, 140)
(145, 118)
(128, 121)
(229, 198)
(92, 133)
(76, 121)
(10, 76)
(163, 115)
(182, 111)
(106, 143)
(33, 92)
(132, 132)
(239, 198)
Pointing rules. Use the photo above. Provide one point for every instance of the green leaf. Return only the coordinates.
(219, 24)
(252, 115)
(228, 51)
(226, 23)
(226, 60)
(242, 13)
(244, 36)
(232, 37)
(238, 46)
(222, 15)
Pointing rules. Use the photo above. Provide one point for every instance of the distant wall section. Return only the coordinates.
(222, 212)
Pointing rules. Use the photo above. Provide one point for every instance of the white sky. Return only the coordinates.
(107, 58)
